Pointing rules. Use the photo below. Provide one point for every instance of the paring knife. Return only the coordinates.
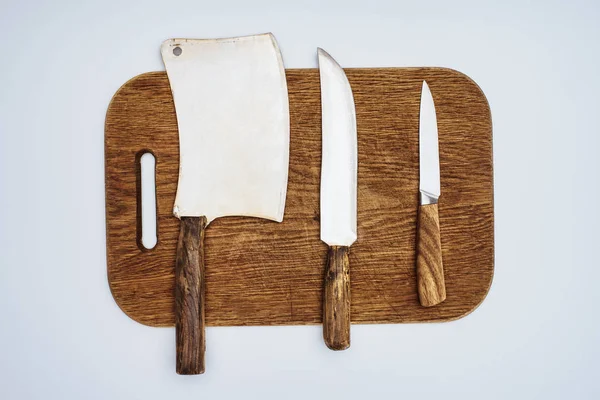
(338, 197)
(232, 110)
(430, 270)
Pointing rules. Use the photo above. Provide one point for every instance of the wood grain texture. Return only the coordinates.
(336, 299)
(189, 297)
(430, 268)
(265, 273)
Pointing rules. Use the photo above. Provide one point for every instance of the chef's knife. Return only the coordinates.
(233, 117)
(338, 197)
(430, 271)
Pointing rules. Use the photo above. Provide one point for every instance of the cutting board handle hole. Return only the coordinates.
(147, 223)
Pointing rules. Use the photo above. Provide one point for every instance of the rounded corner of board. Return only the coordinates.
(470, 80)
(476, 305)
(121, 91)
(131, 314)
(129, 82)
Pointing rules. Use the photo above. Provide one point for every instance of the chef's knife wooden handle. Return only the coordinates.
(189, 296)
(430, 269)
(336, 299)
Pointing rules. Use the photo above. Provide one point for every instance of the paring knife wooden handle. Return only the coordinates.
(189, 296)
(430, 270)
(336, 300)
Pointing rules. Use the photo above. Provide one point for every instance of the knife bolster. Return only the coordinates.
(336, 299)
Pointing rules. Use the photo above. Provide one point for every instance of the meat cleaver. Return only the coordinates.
(232, 110)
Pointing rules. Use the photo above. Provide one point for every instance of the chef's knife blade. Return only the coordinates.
(430, 271)
(338, 196)
(233, 117)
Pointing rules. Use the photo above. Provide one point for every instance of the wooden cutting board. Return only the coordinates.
(260, 272)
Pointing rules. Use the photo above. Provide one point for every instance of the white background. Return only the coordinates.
(537, 335)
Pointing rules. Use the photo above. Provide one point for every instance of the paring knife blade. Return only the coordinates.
(232, 111)
(338, 196)
(430, 270)
(429, 156)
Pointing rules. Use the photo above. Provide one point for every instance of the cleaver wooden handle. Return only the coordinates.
(430, 269)
(189, 296)
(336, 299)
